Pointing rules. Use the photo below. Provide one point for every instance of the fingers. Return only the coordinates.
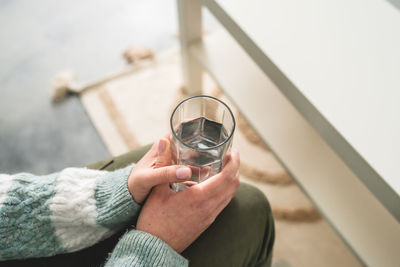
(168, 136)
(169, 174)
(219, 201)
(164, 153)
(226, 178)
(158, 155)
(210, 206)
(149, 157)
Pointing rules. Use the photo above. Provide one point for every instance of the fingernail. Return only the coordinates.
(161, 146)
(183, 173)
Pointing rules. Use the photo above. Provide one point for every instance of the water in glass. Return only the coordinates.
(200, 150)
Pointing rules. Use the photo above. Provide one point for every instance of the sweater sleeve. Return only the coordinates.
(62, 212)
(137, 248)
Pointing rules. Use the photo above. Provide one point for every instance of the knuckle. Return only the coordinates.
(232, 178)
(164, 173)
(225, 173)
(160, 163)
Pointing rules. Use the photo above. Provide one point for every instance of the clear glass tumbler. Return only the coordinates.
(202, 131)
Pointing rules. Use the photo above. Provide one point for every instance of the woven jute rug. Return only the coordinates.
(134, 110)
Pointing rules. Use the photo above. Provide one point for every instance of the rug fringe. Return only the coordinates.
(128, 137)
(296, 215)
(275, 178)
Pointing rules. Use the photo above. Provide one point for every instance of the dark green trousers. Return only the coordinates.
(242, 235)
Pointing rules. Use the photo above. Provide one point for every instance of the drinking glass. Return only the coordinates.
(202, 130)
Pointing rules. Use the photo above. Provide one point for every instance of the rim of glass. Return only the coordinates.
(203, 96)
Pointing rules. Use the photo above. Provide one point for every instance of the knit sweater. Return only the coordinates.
(73, 209)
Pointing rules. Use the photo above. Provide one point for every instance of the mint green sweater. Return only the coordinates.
(63, 212)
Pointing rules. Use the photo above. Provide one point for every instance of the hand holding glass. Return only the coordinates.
(202, 131)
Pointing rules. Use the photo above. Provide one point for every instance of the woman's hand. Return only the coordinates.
(153, 169)
(179, 218)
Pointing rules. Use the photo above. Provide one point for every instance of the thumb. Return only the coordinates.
(164, 153)
(169, 174)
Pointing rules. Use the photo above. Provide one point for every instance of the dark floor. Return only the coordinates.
(40, 38)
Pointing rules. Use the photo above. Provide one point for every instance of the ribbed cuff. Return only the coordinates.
(137, 248)
(115, 205)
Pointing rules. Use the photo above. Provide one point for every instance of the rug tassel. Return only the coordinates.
(64, 83)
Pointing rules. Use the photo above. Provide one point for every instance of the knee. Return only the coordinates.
(243, 233)
(253, 203)
(256, 210)
(259, 209)
(255, 222)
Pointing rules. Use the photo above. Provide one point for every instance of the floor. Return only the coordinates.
(41, 38)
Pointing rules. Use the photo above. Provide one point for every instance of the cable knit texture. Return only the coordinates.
(42, 216)
(25, 210)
